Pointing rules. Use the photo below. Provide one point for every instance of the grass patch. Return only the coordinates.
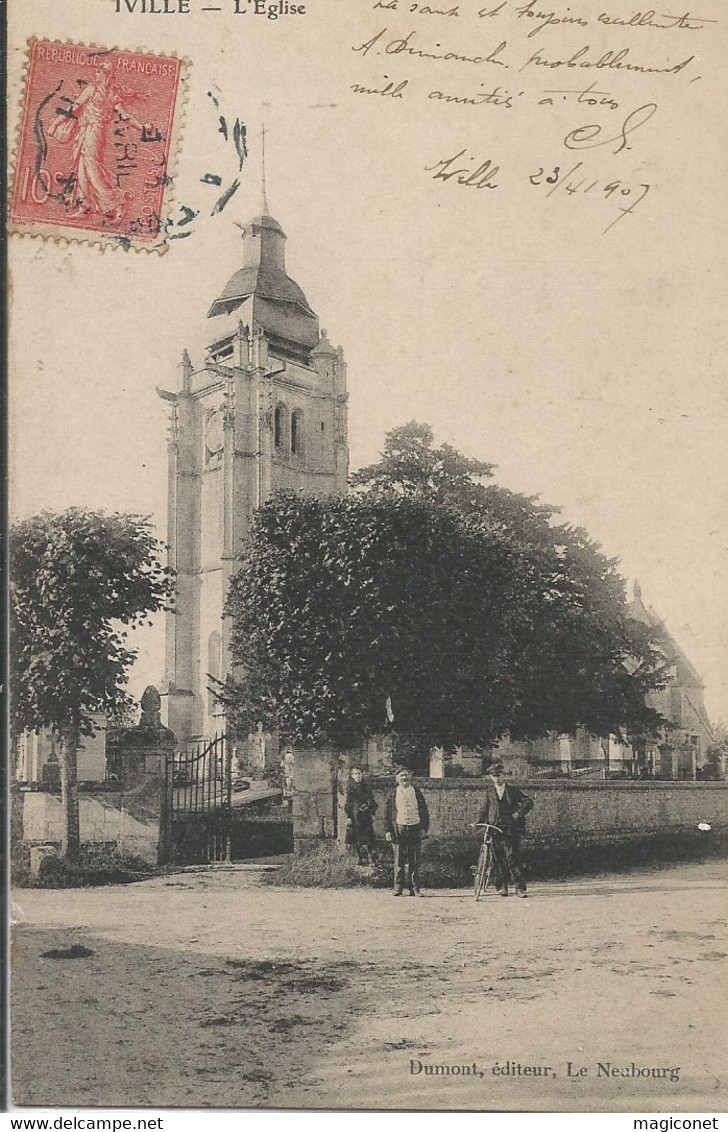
(326, 865)
(572, 855)
(447, 861)
(445, 864)
(96, 865)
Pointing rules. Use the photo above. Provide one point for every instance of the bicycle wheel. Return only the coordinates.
(489, 865)
(482, 873)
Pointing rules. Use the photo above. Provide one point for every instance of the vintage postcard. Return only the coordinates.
(367, 365)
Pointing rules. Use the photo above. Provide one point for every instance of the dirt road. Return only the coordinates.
(210, 989)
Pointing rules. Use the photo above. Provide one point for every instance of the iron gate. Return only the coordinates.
(199, 786)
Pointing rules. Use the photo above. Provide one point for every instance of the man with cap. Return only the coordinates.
(506, 807)
(406, 819)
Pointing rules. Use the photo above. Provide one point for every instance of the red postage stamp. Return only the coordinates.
(97, 140)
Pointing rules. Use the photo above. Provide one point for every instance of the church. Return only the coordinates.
(263, 409)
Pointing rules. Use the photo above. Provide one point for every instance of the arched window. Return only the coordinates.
(280, 422)
(297, 433)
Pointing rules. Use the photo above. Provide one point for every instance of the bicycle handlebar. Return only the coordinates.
(486, 825)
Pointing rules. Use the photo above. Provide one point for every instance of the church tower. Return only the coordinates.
(263, 409)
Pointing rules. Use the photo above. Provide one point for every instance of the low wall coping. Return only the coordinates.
(527, 784)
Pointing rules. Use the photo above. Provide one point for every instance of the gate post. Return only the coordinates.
(228, 799)
(142, 757)
(164, 850)
(314, 797)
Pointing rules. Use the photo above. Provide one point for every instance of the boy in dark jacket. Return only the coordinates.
(359, 807)
(506, 807)
(406, 819)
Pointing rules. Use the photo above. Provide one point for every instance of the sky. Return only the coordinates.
(588, 368)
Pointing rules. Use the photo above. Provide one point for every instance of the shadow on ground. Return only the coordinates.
(105, 1023)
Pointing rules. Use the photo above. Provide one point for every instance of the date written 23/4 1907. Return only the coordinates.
(465, 170)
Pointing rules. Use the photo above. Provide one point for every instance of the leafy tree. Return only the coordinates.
(462, 602)
(76, 580)
(580, 656)
(410, 466)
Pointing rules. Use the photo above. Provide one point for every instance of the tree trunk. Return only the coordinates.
(71, 838)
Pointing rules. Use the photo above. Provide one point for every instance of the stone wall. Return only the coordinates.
(597, 811)
(132, 814)
(106, 818)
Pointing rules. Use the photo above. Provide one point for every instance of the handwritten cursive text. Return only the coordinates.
(585, 137)
(481, 178)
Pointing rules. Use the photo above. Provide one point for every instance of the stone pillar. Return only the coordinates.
(141, 757)
(314, 797)
(183, 508)
(229, 536)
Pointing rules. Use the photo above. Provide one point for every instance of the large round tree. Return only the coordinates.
(468, 607)
(77, 580)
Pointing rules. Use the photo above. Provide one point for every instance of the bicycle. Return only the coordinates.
(486, 860)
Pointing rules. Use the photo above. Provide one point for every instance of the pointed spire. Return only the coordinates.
(186, 368)
(264, 197)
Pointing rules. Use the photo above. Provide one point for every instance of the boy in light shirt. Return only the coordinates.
(406, 820)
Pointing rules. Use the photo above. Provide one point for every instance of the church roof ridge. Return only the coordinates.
(263, 272)
(267, 283)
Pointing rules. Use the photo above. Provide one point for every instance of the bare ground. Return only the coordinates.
(209, 989)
